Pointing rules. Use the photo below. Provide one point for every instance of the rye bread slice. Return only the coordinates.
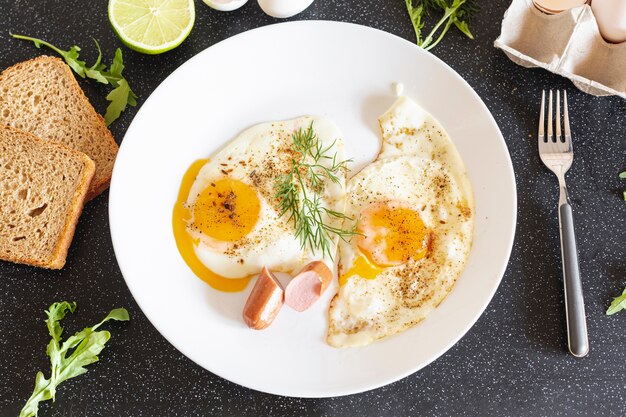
(42, 97)
(42, 190)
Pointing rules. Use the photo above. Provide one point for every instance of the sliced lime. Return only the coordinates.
(152, 26)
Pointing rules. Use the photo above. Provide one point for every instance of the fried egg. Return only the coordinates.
(415, 209)
(226, 223)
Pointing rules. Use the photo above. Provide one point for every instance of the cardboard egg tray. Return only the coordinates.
(568, 44)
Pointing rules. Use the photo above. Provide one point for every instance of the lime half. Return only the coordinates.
(152, 26)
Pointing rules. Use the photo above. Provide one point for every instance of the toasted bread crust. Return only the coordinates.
(74, 124)
(78, 202)
(55, 257)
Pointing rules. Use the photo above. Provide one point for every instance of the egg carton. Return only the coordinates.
(568, 44)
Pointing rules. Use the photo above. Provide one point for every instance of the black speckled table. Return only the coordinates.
(513, 362)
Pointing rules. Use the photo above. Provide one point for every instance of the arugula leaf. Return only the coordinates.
(83, 349)
(115, 72)
(95, 71)
(461, 21)
(415, 13)
(119, 97)
(455, 12)
(618, 304)
(55, 313)
(99, 73)
(41, 393)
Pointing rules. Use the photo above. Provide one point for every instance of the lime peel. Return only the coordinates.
(152, 26)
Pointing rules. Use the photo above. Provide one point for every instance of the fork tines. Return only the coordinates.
(551, 136)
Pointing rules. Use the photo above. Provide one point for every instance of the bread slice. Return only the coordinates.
(42, 97)
(42, 190)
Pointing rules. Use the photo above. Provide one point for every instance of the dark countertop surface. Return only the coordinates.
(513, 362)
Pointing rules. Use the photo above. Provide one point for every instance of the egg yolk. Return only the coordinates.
(185, 242)
(391, 234)
(226, 210)
(362, 267)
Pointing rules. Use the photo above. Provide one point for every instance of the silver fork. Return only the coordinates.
(557, 154)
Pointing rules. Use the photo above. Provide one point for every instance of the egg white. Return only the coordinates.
(256, 157)
(419, 166)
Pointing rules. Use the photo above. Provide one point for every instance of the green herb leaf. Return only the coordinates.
(115, 72)
(622, 175)
(618, 304)
(298, 193)
(463, 27)
(68, 360)
(455, 12)
(119, 97)
(70, 57)
(122, 95)
(119, 314)
(97, 72)
(41, 393)
(56, 313)
(416, 13)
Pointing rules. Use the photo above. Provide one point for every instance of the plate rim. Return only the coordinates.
(363, 387)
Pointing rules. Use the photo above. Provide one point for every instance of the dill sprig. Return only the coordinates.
(298, 192)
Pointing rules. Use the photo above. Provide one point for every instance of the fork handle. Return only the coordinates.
(574, 303)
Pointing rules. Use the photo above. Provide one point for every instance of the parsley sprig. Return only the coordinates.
(121, 95)
(455, 12)
(298, 192)
(69, 358)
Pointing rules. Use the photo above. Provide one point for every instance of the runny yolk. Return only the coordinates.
(185, 242)
(361, 267)
(226, 210)
(390, 235)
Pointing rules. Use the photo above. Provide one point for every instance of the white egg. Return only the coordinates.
(284, 8)
(225, 5)
(233, 216)
(415, 205)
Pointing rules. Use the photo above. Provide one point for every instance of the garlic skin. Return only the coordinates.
(284, 8)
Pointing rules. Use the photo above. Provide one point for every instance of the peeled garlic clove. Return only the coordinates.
(284, 8)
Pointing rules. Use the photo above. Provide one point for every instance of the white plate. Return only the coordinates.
(339, 70)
